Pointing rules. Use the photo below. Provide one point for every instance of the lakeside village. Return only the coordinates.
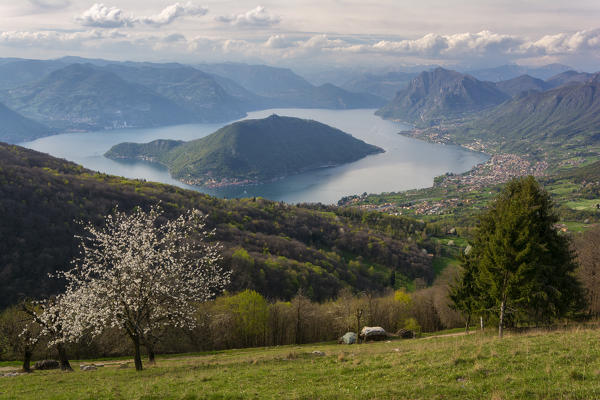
(498, 169)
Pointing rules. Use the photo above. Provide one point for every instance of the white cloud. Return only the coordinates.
(452, 46)
(320, 42)
(102, 16)
(257, 17)
(235, 46)
(564, 43)
(279, 42)
(174, 11)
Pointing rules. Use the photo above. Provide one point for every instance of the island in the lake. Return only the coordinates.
(251, 151)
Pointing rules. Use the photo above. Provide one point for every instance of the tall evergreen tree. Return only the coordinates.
(464, 293)
(520, 264)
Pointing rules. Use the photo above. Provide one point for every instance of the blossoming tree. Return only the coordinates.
(140, 275)
(54, 320)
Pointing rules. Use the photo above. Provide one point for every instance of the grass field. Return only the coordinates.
(529, 366)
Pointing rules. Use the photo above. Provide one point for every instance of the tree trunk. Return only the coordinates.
(359, 314)
(137, 357)
(467, 324)
(298, 327)
(501, 323)
(65, 365)
(481, 322)
(27, 360)
(151, 356)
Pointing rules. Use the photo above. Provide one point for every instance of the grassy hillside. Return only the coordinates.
(542, 366)
(253, 151)
(272, 247)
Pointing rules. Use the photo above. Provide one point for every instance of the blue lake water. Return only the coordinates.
(406, 164)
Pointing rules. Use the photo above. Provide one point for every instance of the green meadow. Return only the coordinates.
(542, 365)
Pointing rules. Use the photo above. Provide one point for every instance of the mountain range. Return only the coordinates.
(384, 85)
(506, 72)
(72, 93)
(281, 87)
(83, 97)
(251, 151)
(445, 96)
(194, 91)
(564, 117)
(441, 94)
(387, 84)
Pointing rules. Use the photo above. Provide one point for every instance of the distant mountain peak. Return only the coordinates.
(441, 94)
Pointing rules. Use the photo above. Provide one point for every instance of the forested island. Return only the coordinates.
(251, 151)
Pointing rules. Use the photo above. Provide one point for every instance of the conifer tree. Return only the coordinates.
(464, 294)
(520, 265)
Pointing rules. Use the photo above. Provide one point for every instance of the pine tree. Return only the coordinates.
(464, 294)
(521, 265)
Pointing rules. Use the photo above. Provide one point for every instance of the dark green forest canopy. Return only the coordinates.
(273, 247)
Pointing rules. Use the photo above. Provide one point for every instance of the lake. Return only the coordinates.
(406, 164)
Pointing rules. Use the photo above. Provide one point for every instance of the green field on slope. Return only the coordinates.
(563, 364)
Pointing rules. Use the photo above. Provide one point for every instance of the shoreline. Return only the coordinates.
(498, 169)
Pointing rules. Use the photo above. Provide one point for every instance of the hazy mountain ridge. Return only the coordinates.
(385, 85)
(252, 151)
(260, 79)
(84, 97)
(507, 72)
(281, 87)
(523, 83)
(569, 77)
(189, 88)
(439, 95)
(16, 128)
(18, 72)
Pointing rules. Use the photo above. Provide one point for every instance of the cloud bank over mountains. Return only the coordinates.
(182, 31)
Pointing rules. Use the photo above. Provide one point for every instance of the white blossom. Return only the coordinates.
(138, 275)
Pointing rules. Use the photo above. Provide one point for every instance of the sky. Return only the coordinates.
(308, 33)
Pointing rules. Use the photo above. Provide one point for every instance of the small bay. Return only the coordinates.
(407, 163)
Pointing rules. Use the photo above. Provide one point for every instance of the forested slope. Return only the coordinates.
(272, 247)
